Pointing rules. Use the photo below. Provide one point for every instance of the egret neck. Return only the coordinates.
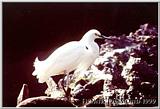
(89, 41)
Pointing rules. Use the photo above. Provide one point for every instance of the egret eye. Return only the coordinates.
(97, 35)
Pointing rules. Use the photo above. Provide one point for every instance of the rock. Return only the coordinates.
(96, 101)
(24, 94)
(132, 63)
(44, 101)
(88, 90)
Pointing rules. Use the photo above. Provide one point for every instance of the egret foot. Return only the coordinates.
(53, 90)
(51, 86)
(64, 84)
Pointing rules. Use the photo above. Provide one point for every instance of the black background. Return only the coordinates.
(37, 29)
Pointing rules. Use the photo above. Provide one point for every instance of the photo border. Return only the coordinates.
(1, 34)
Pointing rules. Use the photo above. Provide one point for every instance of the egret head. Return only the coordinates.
(92, 34)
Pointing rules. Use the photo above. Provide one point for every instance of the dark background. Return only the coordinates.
(37, 29)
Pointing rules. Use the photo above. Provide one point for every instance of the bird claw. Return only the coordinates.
(51, 86)
(54, 91)
(48, 92)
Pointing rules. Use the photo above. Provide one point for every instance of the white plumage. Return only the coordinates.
(75, 55)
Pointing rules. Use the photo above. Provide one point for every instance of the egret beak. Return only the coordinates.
(104, 37)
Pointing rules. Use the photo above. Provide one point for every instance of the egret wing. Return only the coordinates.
(69, 52)
(65, 58)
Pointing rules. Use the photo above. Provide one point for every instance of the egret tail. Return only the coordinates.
(41, 71)
(36, 65)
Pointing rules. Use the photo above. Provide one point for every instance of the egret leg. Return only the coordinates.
(61, 84)
(75, 75)
(66, 89)
(67, 81)
(64, 84)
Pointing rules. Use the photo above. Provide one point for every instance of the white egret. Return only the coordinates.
(74, 55)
